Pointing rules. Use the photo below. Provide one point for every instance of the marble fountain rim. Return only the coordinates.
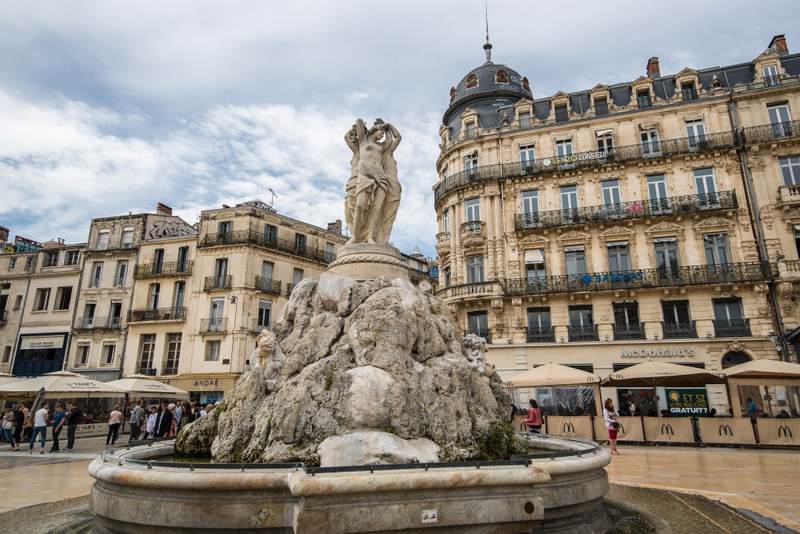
(138, 466)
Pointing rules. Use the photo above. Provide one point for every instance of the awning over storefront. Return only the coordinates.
(60, 384)
(764, 369)
(140, 385)
(551, 375)
(654, 374)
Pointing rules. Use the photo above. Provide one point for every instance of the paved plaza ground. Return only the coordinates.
(762, 483)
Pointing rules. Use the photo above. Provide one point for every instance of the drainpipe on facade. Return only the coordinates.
(758, 230)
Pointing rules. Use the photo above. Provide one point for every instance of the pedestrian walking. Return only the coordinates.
(150, 426)
(8, 428)
(74, 418)
(59, 418)
(173, 424)
(534, 419)
(186, 414)
(27, 421)
(137, 416)
(610, 416)
(40, 419)
(164, 422)
(114, 422)
(19, 421)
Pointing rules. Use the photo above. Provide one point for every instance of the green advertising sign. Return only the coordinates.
(687, 401)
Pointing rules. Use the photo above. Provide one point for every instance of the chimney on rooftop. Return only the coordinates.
(163, 209)
(335, 227)
(778, 44)
(653, 68)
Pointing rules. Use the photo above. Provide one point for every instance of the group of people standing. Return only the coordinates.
(22, 424)
(535, 419)
(163, 420)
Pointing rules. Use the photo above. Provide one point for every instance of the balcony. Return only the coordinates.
(583, 333)
(258, 238)
(170, 268)
(629, 331)
(485, 333)
(732, 328)
(268, 285)
(637, 209)
(788, 195)
(111, 246)
(471, 289)
(218, 325)
(645, 278)
(686, 330)
(158, 314)
(213, 283)
(443, 243)
(539, 334)
(578, 160)
(98, 323)
(768, 133)
(473, 234)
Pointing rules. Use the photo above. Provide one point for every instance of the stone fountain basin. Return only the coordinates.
(135, 492)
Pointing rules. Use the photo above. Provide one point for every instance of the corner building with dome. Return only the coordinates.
(615, 225)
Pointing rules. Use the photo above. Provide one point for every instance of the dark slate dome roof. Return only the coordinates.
(492, 79)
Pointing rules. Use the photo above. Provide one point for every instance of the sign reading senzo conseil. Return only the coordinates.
(687, 401)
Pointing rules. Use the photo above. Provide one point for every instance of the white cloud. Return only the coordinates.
(72, 167)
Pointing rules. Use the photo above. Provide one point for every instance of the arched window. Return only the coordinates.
(501, 76)
(734, 358)
(526, 84)
(472, 81)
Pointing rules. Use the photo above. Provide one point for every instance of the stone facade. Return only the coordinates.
(582, 226)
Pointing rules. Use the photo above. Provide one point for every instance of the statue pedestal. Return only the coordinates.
(364, 261)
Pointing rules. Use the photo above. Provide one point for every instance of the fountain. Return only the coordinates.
(364, 412)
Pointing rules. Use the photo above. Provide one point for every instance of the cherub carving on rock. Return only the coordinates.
(266, 343)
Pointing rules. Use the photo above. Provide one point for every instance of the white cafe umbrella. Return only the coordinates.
(142, 386)
(61, 384)
(551, 375)
(762, 369)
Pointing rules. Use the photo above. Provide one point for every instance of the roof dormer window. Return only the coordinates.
(562, 115)
(600, 106)
(501, 76)
(771, 77)
(688, 91)
(643, 98)
(472, 81)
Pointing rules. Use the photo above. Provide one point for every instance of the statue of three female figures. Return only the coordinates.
(373, 190)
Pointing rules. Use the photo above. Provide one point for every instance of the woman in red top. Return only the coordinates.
(534, 420)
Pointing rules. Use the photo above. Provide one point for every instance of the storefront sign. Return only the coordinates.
(687, 401)
(655, 353)
(206, 383)
(574, 158)
(42, 342)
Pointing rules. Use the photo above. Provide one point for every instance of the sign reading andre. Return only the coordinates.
(687, 401)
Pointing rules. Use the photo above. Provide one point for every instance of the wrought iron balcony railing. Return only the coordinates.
(217, 282)
(170, 268)
(643, 278)
(98, 323)
(115, 244)
(685, 330)
(493, 287)
(540, 334)
(268, 285)
(732, 328)
(592, 158)
(771, 132)
(259, 238)
(629, 331)
(158, 314)
(485, 333)
(256, 327)
(143, 369)
(636, 209)
(215, 325)
(583, 332)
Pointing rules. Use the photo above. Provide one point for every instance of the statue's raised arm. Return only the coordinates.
(393, 137)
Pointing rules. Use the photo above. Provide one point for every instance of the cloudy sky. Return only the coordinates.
(110, 107)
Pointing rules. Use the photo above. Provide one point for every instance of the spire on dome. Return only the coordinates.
(487, 47)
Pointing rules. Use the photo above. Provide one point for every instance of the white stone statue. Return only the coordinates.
(373, 190)
(266, 343)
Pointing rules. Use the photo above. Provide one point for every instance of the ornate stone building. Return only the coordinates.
(609, 226)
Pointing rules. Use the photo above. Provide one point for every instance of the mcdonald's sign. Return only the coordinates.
(666, 428)
(725, 430)
(567, 427)
(785, 432)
